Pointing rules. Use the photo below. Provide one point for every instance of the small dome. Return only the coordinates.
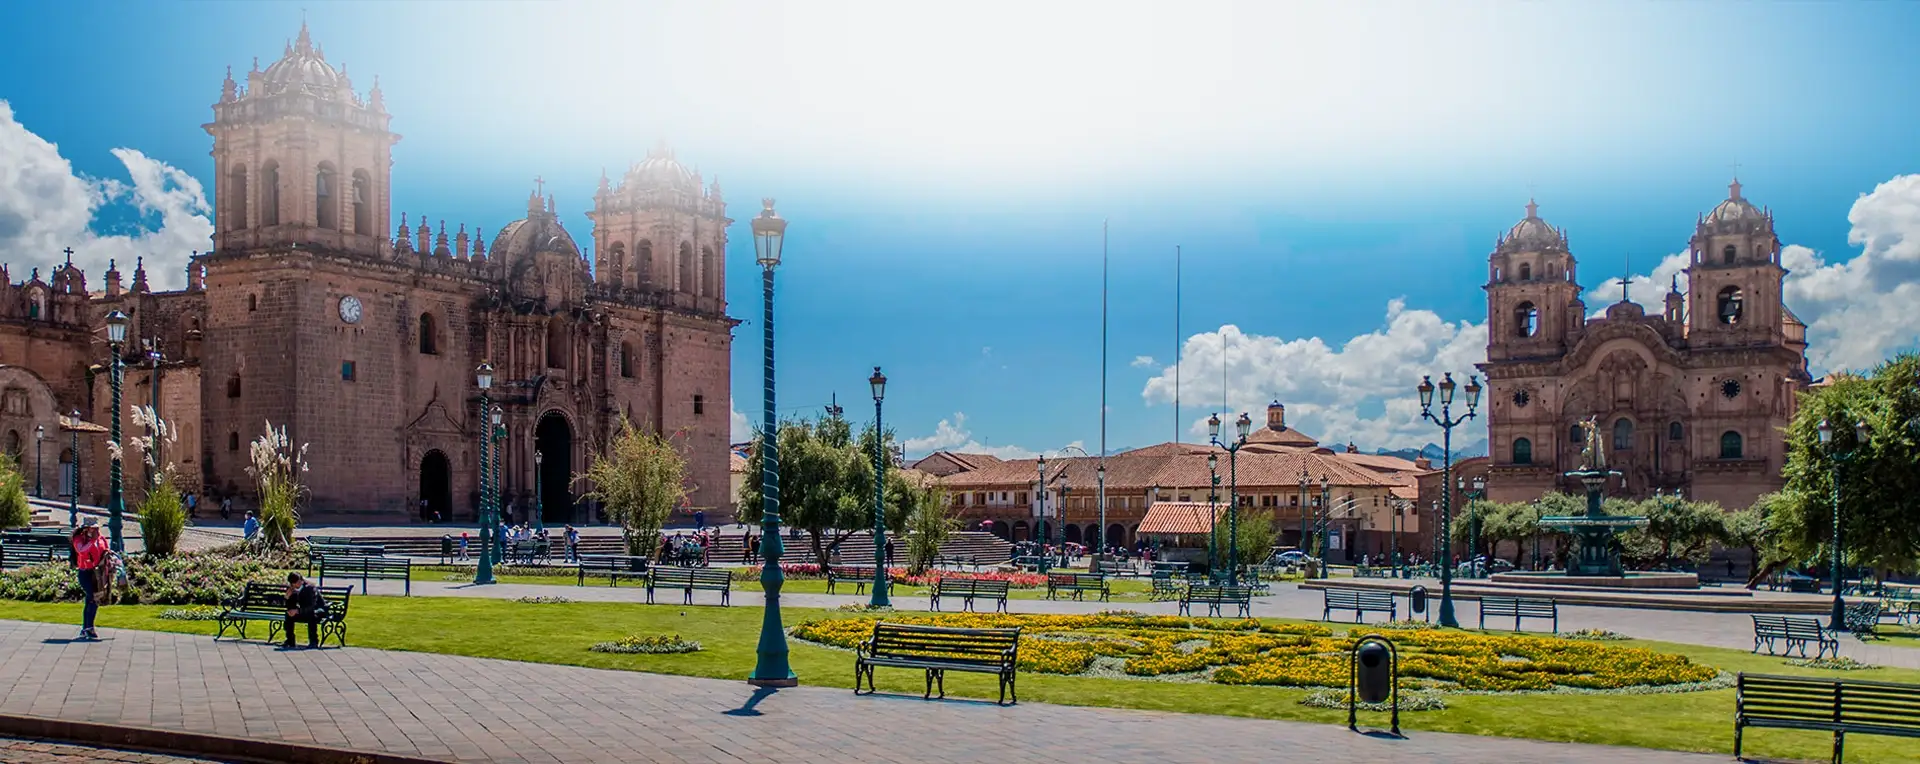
(661, 170)
(1735, 208)
(1532, 234)
(303, 67)
(538, 232)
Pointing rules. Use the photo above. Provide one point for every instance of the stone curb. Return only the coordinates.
(191, 743)
(1588, 599)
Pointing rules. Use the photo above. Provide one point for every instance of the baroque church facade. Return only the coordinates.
(307, 313)
(1693, 400)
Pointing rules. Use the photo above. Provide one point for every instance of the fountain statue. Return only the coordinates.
(1599, 551)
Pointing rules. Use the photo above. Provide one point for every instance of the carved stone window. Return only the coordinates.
(1622, 434)
(1522, 451)
(1731, 445)
(14, 402)
(1730, 388)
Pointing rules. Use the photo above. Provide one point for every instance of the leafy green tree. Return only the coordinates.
(1879, 487)
(1257, 531)
(826, 482)
(15, 512)
(928, 525)
(640, 478)
(1748, 529)
(1683, 529)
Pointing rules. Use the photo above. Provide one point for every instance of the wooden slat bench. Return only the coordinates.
(842, 574)
(1165, 586)
(368, 568)
(970, 589)
(1078, 583)
(330, 541)
(689, 579)
(1113, 567)
(1793, 631)
(1215, 595)
(1518, 608)
(317, 551)
(19, 555)
(1839, 706)
(268, 602)
(938, 650)
(613, 566)
(1360, 601)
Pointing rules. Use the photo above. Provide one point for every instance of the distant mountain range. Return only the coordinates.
(1432, 451)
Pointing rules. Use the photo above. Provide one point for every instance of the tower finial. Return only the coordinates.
(1626, 277)
(1675, 287)
(1533, 210)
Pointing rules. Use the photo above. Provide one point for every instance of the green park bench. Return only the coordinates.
(18, 555)
(368, 568)
(1360, 601)
(846, 574)
(968, 590)
(1792, 632)
(1839, 706)
(1077, 583)
(688, 580)
(613, 566)
(317, 552)
(1215, 595)
(268, 602)
(1518, 608)
(938, 650)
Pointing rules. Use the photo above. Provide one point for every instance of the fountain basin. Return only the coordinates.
(1633, 580)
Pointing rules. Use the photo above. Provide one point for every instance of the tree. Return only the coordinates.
(1879, 489)
(1558, 504)
(1748, 529)
(826, 482)
(640, 479)
(15, 511)
(928, 526)
(1682, 526)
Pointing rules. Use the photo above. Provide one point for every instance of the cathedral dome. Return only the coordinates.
(539, 231)
(304, 67)
(1532, 234)
(1735, 208)
(661, 170)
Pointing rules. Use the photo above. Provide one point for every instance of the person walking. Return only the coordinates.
(573, 543)
(463, 545)
(91, 562)
(252, 527)
(193, 504)
(226, 508)
(304, 605)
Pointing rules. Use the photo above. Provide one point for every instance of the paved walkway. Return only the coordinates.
(15, 750)
(1731, 630)
(471, 709)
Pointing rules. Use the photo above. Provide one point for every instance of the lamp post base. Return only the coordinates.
(787, 682)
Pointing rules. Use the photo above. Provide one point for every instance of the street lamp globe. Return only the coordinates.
(117, 327)
(1447, 386)
(496, 415)
(1479, 483)
(1826, 432)
(39, 432)
(879, 383)
(1473, 392)
(769, 231)
(1426, 392)
(538, 457)
(1244, 426)
(483, 376)
(1213, 427)
(1861, 433)
(1213, 462)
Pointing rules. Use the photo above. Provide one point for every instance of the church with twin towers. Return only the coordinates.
(359, 329)
(1695, 399)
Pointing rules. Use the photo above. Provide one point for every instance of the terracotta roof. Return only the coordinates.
(68, 423)
(735, 463)
(1174, 466)
(1282, 437)
(1178, 518)
(1381, 462)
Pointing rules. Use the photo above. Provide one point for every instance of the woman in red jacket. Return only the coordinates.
(89, 552)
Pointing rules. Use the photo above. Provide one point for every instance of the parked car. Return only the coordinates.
(1291, 557)
(1478, 567)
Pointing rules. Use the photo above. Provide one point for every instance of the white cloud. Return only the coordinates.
(952, 435)
(1649, 291)
(1143, 362)
(742, 427)
(46, 207)
(1858, 311)
(1362, 391)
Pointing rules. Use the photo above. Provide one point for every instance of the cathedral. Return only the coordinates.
(1692, 400)
(307, 313)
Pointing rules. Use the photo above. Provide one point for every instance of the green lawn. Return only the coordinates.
(1698, 721)
(1123, 590)
(1898, 635)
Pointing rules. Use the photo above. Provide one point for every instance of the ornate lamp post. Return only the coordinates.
(1040, 494)
(39, 434)
(1860, 436)
(1394, 521)
(499, 434)
(1060, 519)
(1213, 508)
(1100, 490)
(483, 573)
(1305, 501)
(539, 507)
(1447, 422)
(73, 472)
(1242, 427)
(879, 384)
(1473, 524)
(1321, 519)
(116, 502)
(770, 668)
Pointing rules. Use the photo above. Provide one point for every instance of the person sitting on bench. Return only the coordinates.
(303, 605)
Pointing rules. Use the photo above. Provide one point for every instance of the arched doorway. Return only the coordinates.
(1020, 531)
(1002, 530)
(436, 486)
(1116, 535)
(1073, 533)
(553, 438)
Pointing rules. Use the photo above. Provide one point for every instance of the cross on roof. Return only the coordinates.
(1624, 282)
(539, 184)
(69, 252)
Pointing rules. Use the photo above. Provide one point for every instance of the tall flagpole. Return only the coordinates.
(1101, 552)
(1176, 343)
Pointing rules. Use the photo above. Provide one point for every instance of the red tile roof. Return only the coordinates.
(1180, 518)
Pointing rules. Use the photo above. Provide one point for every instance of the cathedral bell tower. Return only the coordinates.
(300, 158)
(1735, 280)
(1533, 303)
(661, 229)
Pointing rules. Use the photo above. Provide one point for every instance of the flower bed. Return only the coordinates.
(194, 578)
(1299, 655)
(899, 575)
(647, 644)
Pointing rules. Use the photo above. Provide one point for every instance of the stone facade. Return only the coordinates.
(307, 314)
(1692, 400)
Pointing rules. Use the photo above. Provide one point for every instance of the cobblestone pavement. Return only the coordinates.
(471, 709)
(1731, 630)
(15, 750)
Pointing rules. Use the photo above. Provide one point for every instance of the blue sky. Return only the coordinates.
(1335, 173)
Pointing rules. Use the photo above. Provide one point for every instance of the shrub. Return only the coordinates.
(196, 613)
(538, 600)
(1410, 700)
(277, 469)
(648, 644)
(192, 578)
(162, 518)
(14, 510)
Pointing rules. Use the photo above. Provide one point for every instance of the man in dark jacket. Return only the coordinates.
(303, 604)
